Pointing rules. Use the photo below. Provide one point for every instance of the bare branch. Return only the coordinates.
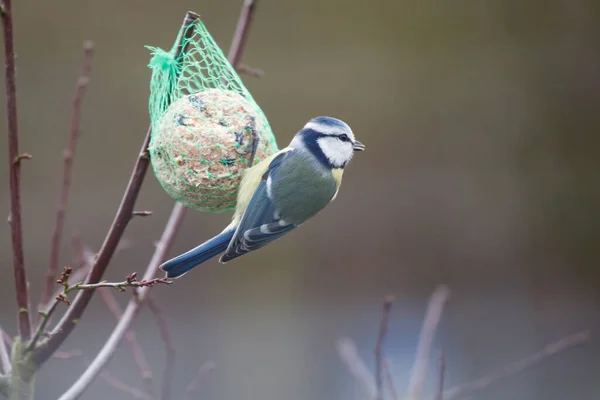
(77, 275)
(470, 388)
(130, 282)
(41, 330)
(202, 372)
(169, 347)
(69, 154)
(162, 247)
(383, 327)
(14, 172)
(432, 318)
(138, 354)
(21, 157)
(242, 30)
(356, 366)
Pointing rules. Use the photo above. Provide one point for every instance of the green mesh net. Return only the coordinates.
(204, 123)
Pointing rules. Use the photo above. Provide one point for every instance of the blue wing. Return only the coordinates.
(261, 222)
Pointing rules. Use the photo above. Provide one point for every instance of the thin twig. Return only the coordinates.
(356, 366)
(144, 213)
(84, 265)
(41, 330)
(14, 171)
(138, 354)
(69, 153)
(390, 380)
(4, 357)
(442, 377)
(238, 44)
(470, 388)
(21, 157)
(120, 286)
(165, 334)
(202, 372)
(383, 327)
(164, 244)
(432, 318)
(78, 275)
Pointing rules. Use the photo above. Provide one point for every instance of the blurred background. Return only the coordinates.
(481, 172)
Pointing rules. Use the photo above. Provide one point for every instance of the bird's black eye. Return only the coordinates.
(344, 138)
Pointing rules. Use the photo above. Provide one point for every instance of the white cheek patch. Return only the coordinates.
(337, 152)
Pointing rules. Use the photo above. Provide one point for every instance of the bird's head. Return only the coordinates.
(329, 139)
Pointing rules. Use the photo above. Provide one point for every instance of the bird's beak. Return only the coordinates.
(358, 146)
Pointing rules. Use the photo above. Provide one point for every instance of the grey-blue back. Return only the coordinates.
(301, 186)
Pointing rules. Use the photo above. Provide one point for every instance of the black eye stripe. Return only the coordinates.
(344, 138)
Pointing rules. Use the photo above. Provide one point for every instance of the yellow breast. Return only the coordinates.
(337, 175)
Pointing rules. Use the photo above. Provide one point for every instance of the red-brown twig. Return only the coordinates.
(356, 366)
(202, 372)
(138, 354)
(468, 389)
(383, 326)
(165, 334)
(390, 380)
(163, 245)
(14, 171)
(69, 154)
(4, 356)
(432, 318)
(442, 377)
(238, 43)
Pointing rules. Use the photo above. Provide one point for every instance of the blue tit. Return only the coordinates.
(280, 193)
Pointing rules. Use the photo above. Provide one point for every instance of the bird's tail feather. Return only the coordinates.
(178, 266)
